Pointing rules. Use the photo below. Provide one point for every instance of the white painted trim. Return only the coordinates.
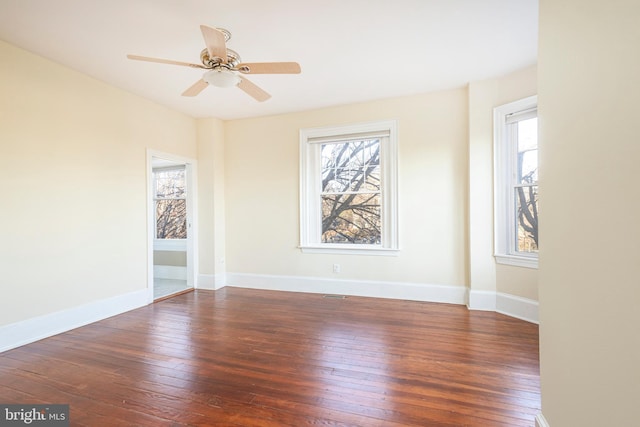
(169, 272)
(541, 421)
(393, 290)
(504, 214)
(336, 249)
(211, 281)
(220, 281)
(510, 305)
(482, 300)
(518, 307)
(206, 281)
(37, 328)
(517, 261)
(192, 217)
(310, 214)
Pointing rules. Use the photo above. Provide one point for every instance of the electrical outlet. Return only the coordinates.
(336, 268)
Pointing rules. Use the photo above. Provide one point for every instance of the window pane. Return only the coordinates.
(351, 218)
(527, 167)
(171, 219)
(170, 184)
(372, 178)
(527, 219)
(351, 166)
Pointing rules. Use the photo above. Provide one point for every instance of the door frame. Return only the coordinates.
(192, 217)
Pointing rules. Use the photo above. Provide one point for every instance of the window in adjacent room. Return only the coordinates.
(348, 189)
(516, 183)
(170, 198)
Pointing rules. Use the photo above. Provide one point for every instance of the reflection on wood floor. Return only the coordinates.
(241, 357)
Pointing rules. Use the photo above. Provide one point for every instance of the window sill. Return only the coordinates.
(517, 261)
(349, 250)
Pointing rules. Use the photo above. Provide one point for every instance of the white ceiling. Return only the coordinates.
(349, 50)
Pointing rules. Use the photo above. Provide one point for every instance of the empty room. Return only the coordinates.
(346, 213)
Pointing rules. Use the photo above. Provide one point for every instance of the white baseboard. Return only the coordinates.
(541, 421)
(220, 280)
(211, 281)
(206, 281)
(510, 305)
(393, 290)
(518, 307)
(37, 328)
(482, 300)
(170, 272)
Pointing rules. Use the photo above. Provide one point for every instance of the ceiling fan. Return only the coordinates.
(224, 66)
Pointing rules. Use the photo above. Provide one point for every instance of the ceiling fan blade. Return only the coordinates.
(252, 90)
(215, 42)
(269, 68)
(196, 88)
(163, 61)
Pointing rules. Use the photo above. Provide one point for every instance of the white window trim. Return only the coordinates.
(504, 215)
(309, 209)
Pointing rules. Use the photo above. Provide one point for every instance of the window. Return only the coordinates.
(348, 189)
(516, 183)
(170, 198)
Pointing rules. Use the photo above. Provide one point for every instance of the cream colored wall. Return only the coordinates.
(173, 258)
(485, 274)
(74, 211)
(262, 192)
(211, 196)
(518, 281)
(589, 67)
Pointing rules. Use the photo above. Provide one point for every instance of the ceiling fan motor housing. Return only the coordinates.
(233, 59)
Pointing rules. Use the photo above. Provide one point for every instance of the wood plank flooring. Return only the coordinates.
(240, 357)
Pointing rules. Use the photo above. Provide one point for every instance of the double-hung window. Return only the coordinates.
(170, 198)
(348, 189)
(516, 183)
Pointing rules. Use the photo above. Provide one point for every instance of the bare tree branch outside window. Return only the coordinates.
(171, 204)
(351, 196)
(527, 212)
(526, 189)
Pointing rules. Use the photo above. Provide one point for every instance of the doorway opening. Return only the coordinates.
(171, 225)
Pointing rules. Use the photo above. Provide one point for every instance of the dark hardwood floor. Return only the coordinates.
(240, 357)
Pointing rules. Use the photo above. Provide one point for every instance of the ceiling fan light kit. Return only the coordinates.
(224, 64)
(221, 78)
